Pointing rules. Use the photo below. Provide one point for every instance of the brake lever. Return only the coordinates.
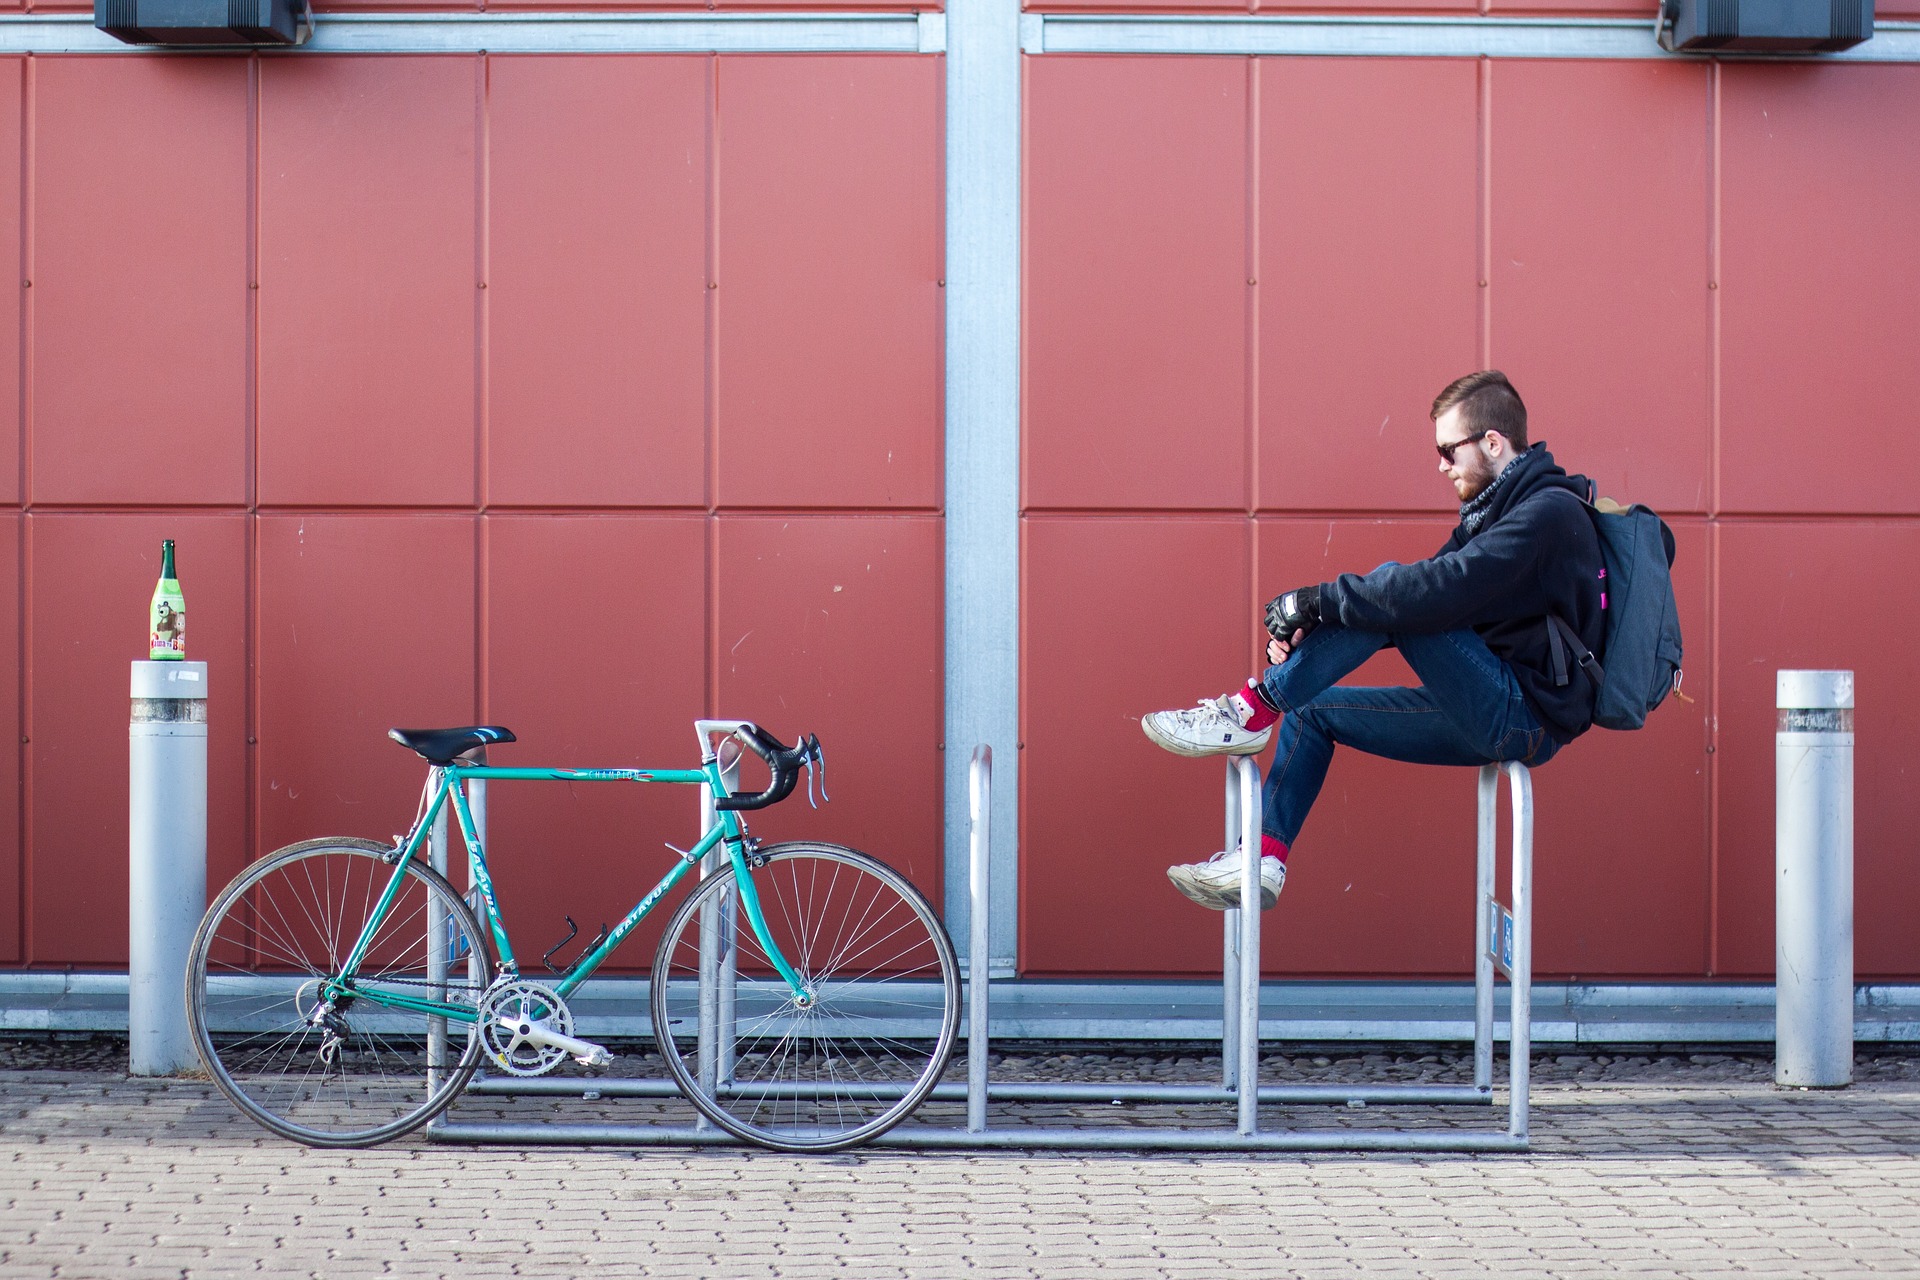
(816, 754)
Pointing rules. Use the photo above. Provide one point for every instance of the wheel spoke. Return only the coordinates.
(346, 1072)
(879, 1026)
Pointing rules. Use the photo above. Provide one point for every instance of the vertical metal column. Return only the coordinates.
(979, 943)
(166, 859)
(715, 1041)
(1520, 972)
(1813, 880)
(1482, 937)
(477, 808)
(729, 935)
(1506, 943)
(1249, 1046)
(437, 957)
(983, 443)
(1230, 1018)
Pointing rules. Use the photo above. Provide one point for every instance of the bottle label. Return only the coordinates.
(168, 622)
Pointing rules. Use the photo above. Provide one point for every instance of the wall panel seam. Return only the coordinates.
(29, 80)
(1483, 249)
(26, 825)
(23, 283)
(1251, 530)
(710, 312)
(482, 382)
(1251, 415)
(1715, 446)
(710, 363)
(250, 562)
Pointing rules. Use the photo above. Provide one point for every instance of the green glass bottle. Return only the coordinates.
(167, 618)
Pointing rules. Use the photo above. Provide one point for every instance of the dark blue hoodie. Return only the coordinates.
(1536, 553)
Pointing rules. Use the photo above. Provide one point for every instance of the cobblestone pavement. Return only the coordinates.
(1666, 1165)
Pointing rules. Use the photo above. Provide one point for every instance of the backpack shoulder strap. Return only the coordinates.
(1562, 638)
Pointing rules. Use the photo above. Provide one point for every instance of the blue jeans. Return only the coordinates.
(1468, 711)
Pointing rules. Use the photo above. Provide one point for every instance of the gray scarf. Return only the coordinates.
(1473, 512)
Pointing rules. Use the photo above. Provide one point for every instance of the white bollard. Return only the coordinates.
(1813, 880)
(167, 859)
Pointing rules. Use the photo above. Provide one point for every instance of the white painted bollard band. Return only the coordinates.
(1813, 879)
(166, 858)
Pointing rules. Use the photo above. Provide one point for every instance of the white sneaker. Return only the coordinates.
(1216, 882)
(1210, 729)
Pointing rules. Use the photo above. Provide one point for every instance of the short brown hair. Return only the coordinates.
(1487, 402)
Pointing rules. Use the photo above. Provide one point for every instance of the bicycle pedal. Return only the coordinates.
(598, 1058)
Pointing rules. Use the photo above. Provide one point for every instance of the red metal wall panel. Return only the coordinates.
(1105, 812)
(830, 321)
(1764, 567)
(597, 281)
(1381, 879)
(1249, 6)
(832, 625)
(1134, 363)
(1135, 6)
(1621, 855)
(367, 280)
(12, 76)
(1600, 268)
(596, 657)
(1818, 302)
(1368, 262)
(1564, 8)
(808, 6)
(12, 733)
(375, 6)
(365, 623)
(140, 280)
(90, 578)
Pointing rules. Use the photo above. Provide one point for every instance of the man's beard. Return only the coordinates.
(1477, 480)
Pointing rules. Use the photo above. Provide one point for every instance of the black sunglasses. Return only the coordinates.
(1446, 450)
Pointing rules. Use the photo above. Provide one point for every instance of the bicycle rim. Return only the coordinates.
(362, 1072)
(862, 1054)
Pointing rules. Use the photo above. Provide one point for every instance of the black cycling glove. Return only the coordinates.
(1297, 610)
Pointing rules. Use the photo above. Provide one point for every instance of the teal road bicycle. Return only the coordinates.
(805, 996)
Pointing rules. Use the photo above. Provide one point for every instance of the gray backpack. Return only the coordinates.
(1640, 636)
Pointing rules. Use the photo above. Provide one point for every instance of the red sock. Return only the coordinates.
(1273, 847)
(1258, 714)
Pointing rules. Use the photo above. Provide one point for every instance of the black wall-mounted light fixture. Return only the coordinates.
(206, 23)
(1763, 26)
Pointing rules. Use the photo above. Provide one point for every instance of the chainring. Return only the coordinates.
(508, 1010)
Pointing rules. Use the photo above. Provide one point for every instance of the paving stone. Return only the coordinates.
(1643, 1164)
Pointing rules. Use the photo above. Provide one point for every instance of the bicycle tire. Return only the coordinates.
(280, 929)
(883, 1021)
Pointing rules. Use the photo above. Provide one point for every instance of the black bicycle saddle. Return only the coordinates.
(440, 746)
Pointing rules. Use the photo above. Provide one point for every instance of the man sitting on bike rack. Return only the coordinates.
(1471, 620)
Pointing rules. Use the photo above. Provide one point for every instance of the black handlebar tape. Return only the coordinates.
(783, 761)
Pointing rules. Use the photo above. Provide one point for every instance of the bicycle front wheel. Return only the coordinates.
(864, 1044)
(322, 1059)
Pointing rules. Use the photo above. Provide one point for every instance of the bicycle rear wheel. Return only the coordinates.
(350, 1071)
(864, 1050)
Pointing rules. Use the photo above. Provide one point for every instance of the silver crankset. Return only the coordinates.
(527, 1030)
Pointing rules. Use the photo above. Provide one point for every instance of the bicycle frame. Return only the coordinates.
(447, 785)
